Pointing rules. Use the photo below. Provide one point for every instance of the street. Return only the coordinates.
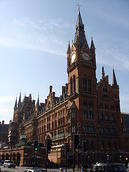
(22, 169)
(17, 169)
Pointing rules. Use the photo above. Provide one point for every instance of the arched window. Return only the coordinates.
(87, 84)
(84, 84)
(74, 84)
(71, 86)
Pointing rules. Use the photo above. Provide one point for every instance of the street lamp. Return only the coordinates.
(108, 157)
(120, 158)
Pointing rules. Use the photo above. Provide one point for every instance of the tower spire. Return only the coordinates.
(92, 44)
(80, 37)
(19, 101)
(37, 104)
(15, 106)
(103, 72)
(68, 49)
(114, 81)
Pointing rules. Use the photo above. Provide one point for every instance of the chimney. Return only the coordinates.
(63, 90)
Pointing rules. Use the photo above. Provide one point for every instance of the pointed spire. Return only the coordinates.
(30, 96)
(92, 44)
(80, 38)
(103, 72)
(79, 22)
(15, 106)
(68, 49)
(37, 104)
(114, 82)
(19, 101)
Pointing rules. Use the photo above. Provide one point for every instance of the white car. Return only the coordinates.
(9, 164)
(35, 170)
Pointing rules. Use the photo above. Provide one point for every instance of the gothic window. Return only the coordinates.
(84, 115)
(106, 117)
(74, 84)
(88, 113)
(84, 84)
(100, 106)
(100, 116)
(111, 117)
(89, 130)
(89, 86)
(101, 130)
(84, 101)
(71, 86)
(105, 92)
(112, 107)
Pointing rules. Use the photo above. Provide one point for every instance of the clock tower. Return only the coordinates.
(81, 69)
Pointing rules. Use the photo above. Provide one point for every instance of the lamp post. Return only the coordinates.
(120, 158)
(108, 157)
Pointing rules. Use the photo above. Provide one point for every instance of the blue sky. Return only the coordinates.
(33, 41)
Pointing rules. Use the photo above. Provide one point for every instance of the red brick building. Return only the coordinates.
(86, 107)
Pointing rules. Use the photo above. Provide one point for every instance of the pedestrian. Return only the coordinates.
(81, 168)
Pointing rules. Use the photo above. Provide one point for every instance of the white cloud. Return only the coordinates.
(113, 57)
(43, 35)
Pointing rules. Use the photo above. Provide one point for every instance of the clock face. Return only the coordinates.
(73, 58)
(85, 56)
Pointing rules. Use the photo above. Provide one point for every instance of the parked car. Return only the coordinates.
(1, 162)
(106, 167)
(35, 170)
(9, 164)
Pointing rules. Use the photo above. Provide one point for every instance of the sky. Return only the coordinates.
(34, 35)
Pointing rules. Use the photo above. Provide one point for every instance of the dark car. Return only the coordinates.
(9, 164)
(108, 167)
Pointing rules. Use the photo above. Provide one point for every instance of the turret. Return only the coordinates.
(37, 104)
(92, 46)
(114, 81)
(103, 72)
(68, 49)
(19, 101)
(15, 106)
(104, 77)
(30, 96)
(68, 55)
(92, 52)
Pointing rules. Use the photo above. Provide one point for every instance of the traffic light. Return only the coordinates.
(36, 146)
(66, 148)
(49, 144)
(76, 141)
